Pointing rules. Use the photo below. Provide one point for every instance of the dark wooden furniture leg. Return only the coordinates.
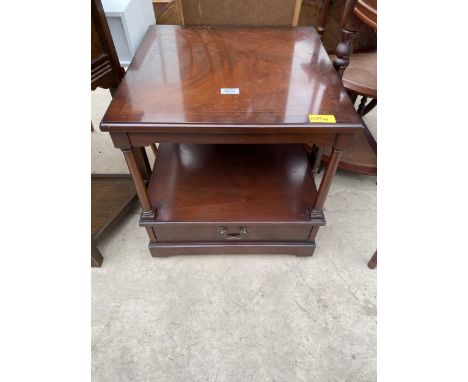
(141, 159)
(316, 155)
(323, 18)
(342, 141)
(96, 257)
(369, 107)
(326, 181)
(317, 152)
(372, 264)
(352, 96)
(139, 181)
(362, 104)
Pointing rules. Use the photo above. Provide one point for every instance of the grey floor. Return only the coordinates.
(237, 318)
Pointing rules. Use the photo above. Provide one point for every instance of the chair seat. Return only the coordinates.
(361, 74)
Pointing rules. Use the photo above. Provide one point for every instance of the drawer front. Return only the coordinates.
(229, 232)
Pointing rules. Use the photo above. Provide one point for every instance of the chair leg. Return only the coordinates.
(372, 264)
(369, 107)
(317, 154)
(352, 95)
(362, 104)
(323, 18)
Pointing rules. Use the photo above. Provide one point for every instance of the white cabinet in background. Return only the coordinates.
(128, 21)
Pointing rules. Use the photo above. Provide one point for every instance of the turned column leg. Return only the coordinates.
(326, 181)
(139, 182)
(342, 142)
(317, 210)
(142, 162)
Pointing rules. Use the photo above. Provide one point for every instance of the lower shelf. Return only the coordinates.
(232, 199)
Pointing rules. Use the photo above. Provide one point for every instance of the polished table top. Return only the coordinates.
(281, 75)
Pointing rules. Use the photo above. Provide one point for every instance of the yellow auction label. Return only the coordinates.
(321, 118)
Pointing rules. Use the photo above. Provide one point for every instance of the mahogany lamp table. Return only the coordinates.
(231, 109)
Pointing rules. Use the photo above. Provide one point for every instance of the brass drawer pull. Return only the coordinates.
(233, 236)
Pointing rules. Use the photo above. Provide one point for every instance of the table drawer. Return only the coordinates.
(232, 232)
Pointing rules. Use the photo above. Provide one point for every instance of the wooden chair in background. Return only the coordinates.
(359, 74)
(310, 13)
(252, 13)
(166, 13)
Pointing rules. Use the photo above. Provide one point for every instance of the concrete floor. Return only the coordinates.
(237, 318)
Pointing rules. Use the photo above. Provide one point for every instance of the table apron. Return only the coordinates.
(145, 139)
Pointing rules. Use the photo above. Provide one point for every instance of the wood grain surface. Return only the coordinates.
(232, 183)
(282, 74)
